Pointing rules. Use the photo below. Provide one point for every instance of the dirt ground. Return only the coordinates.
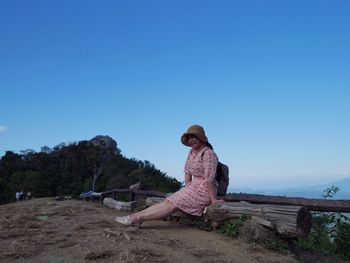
(45, 230)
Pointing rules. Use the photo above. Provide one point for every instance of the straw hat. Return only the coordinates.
(195, 130)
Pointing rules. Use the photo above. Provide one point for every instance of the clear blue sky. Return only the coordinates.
(269, 81)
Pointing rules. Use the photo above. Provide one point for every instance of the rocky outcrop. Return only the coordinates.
(104, 141)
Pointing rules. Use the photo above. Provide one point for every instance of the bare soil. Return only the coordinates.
(45, 230)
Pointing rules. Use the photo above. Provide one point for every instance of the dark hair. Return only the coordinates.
(209, 145)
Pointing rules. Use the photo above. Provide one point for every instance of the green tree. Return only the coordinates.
(76, 167)
(330, 232)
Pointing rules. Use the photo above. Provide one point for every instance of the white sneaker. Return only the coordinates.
(125, 220)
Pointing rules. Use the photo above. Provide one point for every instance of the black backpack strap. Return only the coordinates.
(218, 167)
(218, 174)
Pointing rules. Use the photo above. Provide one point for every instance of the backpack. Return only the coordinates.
(221, 176)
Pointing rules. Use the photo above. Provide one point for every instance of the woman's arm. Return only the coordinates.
(188, 178)
(211, 188)
(188, 175)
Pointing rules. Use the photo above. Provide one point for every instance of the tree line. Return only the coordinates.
(75, 168)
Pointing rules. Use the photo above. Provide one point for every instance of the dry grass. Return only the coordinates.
(19, 248)
(127, 257)
(147, 255)
(66, 243)
(80, 227)
(63, 211)
(76, 231)
(93, 255)
(95, 223)
(101, 223)
(88, 209)
(204, 252)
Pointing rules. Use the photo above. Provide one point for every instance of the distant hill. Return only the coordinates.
(70, 169)
(308, 192)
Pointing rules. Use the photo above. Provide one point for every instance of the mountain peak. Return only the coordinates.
(104, 141)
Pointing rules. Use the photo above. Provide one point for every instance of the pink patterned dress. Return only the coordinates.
(194, 197)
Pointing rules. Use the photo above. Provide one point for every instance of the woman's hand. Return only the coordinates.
(217, 202)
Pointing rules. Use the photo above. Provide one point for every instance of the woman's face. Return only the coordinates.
(194, 142)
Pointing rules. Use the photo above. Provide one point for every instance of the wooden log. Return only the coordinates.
(149, 193)
(119, 205)
(288, 221)
(321, 205)
(263, 222)
(155, 200)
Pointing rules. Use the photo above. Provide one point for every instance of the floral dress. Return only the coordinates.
(194, 196)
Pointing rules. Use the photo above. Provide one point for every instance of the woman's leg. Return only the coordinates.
(154, 212)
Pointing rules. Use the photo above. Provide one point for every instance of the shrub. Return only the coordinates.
(231, 227)
(330, 232)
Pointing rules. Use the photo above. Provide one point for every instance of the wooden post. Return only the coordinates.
(131, 196)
